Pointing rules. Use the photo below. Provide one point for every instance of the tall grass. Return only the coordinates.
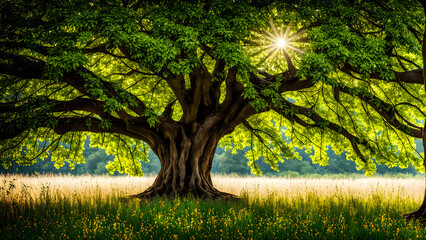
(67, 207)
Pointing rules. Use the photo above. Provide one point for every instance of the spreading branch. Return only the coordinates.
(320, 122)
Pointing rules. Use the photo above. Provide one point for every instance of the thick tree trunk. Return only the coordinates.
(421, 212)
(186, 162)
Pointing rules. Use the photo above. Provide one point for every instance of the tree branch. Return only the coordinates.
(22, 67)
(311, 114)
(413, 76)
(290, 65)
(387, 111)
(75, 80)
(101, 49)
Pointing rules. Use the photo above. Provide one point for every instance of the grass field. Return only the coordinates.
(88, 207)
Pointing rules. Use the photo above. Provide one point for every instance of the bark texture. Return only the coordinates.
(186, 162)
(420, 213)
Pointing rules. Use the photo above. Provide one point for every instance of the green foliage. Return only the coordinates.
(62, 61)
(124, 54)
(226, 162)
(129, 153)
(151, 117)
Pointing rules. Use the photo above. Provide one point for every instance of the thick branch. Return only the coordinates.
(75, 80)
(22, 67)
(80, 124)
(177, 84)
(23, 45)
(78, 104)
(13, 128)
(289, 81)
(233, 88)
(413, 76)
(293, 84)
(290, 65)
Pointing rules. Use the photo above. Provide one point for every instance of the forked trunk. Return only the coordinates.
(186, 162)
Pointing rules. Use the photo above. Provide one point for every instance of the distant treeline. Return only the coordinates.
(224, 163)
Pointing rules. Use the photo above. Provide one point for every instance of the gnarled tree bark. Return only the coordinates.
(186, 162)
(421, 212)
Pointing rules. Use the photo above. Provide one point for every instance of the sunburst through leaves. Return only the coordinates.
(275, 43)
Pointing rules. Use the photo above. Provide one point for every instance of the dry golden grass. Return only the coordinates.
(296, 187)
(89, 207)
(88, 186)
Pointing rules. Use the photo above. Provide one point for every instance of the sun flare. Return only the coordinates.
(281, 43)
(275, 44)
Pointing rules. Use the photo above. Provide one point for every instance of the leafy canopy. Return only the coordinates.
(349, 77)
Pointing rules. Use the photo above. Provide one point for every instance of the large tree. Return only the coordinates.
(179, 77)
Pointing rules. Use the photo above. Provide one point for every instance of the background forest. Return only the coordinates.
(225, 162)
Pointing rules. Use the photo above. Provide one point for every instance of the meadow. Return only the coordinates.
(96, 207)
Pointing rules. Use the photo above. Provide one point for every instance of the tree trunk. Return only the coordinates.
(421, 212)
(186, 162)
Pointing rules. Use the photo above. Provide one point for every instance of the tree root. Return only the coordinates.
(418, 215)
(153, 192)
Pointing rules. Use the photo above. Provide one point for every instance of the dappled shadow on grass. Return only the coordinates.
(253, 217)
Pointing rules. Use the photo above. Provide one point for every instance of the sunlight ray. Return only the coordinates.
(287, 31)
(296, 49)
(271, 23)
(271, 54)
(261, 50)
